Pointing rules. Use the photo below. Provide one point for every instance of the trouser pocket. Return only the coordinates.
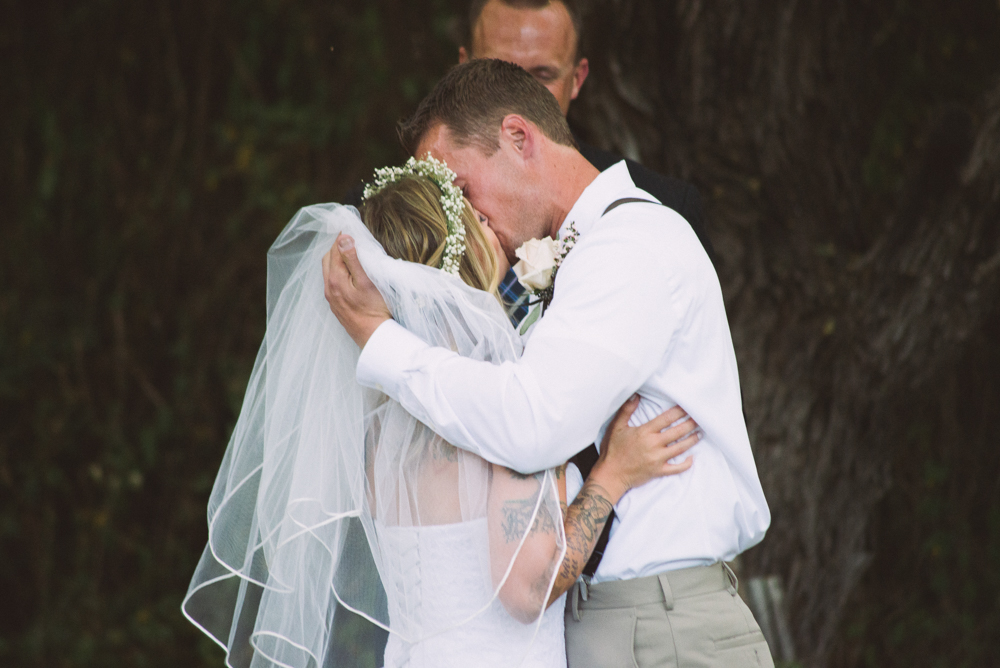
(749, 650)
(746, 647)
(601, 639)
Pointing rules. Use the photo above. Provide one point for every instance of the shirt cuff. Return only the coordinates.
(389, 352)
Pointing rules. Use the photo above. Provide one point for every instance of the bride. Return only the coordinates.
(331, 497)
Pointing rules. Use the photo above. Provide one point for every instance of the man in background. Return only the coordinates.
(543, 37)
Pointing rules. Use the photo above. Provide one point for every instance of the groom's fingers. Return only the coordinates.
(349, 255)
(342, 270)
(353, 298)
(336, 277)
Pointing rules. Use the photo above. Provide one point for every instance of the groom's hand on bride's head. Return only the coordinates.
(352, 296)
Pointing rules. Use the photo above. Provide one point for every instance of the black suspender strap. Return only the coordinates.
(586, 458)
(626, 200)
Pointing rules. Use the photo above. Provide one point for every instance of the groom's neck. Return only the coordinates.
(569, 175)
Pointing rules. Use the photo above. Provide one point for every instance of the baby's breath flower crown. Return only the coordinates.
(451, 201)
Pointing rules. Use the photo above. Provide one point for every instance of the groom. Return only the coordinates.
(637, 308)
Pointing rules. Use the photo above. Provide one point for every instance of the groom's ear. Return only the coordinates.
(519, 134)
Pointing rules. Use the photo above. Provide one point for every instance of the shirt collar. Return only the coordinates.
(596, 197)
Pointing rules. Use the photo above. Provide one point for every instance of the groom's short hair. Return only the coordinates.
(473, 99)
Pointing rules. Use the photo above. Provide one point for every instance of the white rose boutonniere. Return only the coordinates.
(538, 263)
(537, 260)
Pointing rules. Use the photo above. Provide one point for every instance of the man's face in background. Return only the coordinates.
(542, 41)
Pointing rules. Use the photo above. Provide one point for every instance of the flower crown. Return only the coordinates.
(451, 201)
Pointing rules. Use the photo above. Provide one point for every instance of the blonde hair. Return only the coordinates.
(407, 219)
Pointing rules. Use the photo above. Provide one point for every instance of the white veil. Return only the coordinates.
(328, 491)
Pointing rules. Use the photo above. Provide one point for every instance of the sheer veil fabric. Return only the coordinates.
(315, 457)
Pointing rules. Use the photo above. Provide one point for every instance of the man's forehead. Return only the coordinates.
(527, 36)
(438, 142)
(435, 141)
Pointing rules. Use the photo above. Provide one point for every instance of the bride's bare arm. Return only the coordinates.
(524, 514)
(629, 457)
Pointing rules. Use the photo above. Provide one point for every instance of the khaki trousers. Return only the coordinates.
(691, 617)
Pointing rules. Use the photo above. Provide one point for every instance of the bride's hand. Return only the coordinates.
(632, 456)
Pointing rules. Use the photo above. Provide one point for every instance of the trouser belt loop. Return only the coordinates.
(734, 583)
(578, 591)
(668, 594)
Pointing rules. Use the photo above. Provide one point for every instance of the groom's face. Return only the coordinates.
(494, 184)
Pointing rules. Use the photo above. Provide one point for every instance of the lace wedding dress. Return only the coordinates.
(449, 579)
(432, 549)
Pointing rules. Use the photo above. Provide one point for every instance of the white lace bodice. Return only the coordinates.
(442, 610)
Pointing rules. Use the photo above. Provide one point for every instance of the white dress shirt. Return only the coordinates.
(637, 308)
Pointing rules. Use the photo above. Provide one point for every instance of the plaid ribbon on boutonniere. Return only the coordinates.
(538, 262)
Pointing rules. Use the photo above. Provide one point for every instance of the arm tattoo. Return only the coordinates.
(585, 520)
(516, 515)
(446, 451)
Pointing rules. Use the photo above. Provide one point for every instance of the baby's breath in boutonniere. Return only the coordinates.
(538, 262)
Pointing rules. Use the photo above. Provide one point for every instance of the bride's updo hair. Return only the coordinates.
(407, 219)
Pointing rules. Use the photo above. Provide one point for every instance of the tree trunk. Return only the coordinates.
(840, 298)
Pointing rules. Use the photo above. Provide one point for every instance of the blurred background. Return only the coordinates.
(847, 155)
